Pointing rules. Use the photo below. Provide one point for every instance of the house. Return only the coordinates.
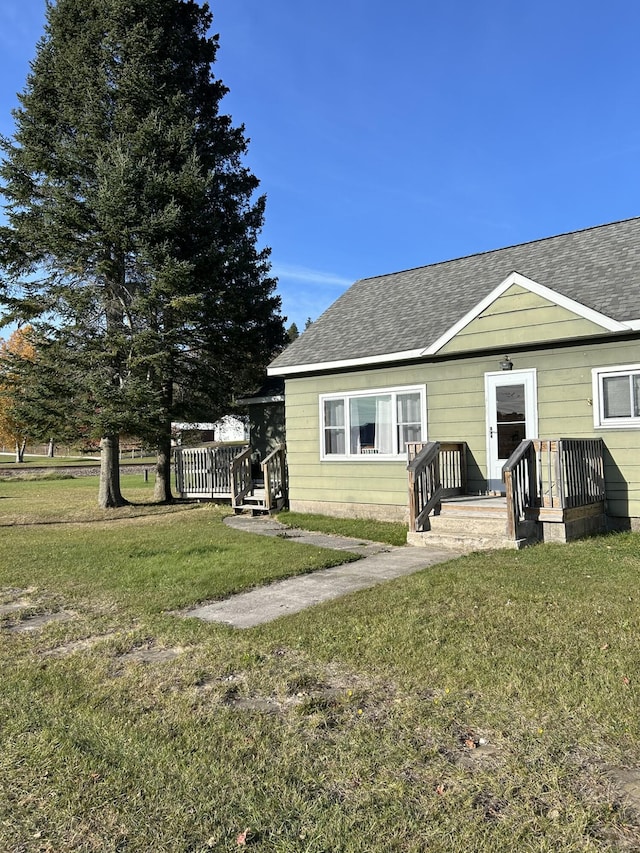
(513, 370)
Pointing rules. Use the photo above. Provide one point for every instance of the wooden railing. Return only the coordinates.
(518, 474)
(205, 471)
(425, 488)
(241, 480)
(274, 471)
(553, 474)
(436, 470)
(583, 469)
(453, 467)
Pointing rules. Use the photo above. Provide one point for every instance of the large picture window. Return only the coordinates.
(372, 424)
(616, 396)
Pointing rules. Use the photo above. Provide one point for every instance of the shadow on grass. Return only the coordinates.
(167, 509)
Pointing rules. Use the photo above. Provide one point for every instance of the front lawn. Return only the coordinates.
(480, 705)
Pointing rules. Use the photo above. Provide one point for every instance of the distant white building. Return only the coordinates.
(228, 428)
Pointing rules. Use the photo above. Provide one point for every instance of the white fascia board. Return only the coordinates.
(541, 290)
(545, 292)
(347, 362)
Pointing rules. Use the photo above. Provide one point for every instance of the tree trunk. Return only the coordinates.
(51, 449)
(162, 488)
(109, 494)
(20, 449)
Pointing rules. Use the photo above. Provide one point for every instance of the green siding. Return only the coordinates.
(520, 317)
(456, 412)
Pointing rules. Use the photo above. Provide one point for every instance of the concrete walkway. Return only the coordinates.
(379, 563)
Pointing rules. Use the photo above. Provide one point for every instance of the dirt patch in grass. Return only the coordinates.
(40, 620)
(13, 606)
(151, 654)
(626, 782)
(13, 599)
(81, 645)
(289, 685)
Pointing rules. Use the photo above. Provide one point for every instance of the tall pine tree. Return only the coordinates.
(132, 224)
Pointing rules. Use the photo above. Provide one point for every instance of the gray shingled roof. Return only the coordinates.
(598, 267)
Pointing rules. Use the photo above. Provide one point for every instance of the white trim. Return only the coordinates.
(346, 396)
(599, 420)
(346, 362)
(539, 289)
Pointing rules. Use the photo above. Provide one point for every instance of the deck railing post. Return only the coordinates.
(425, 487)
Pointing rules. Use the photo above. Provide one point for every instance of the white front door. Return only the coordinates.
(512, 415)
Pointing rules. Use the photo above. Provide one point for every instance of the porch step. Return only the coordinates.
(256, 501)
(475, 507)
(468, 524)
(463, 542)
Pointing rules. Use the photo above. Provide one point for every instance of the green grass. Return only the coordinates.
(143, 557)
(32, 461)
(390, 532)
(35, 500)
(341, 728)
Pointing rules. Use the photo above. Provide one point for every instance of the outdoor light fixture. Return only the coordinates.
(506, 363)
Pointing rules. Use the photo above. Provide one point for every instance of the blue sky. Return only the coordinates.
(392, 136)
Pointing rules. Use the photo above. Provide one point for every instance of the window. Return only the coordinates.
(372, 424)
(616, 396)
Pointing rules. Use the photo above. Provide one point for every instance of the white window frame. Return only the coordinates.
(346, 397)
(599, 374)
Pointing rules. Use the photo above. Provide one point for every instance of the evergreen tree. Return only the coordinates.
(132, 225)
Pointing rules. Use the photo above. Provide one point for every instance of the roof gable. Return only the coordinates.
(521, 311)
(593, 274)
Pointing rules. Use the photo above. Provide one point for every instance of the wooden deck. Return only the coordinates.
(555, 490)
(226, 473)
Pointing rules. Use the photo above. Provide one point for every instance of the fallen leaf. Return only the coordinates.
(440, 790)
(604, 648)
(625, 680)
(470, 744)
(241, 840)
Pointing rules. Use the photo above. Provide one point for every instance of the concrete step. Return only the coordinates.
(465, 543)
(475, 508)
(467, 531)
(469, 525)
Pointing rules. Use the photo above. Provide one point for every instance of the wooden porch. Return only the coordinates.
(226, 473)
(554, 490)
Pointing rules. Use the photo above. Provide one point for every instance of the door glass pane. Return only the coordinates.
(510, 417)
(510, 434)
(510, 403)
(617, 401)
